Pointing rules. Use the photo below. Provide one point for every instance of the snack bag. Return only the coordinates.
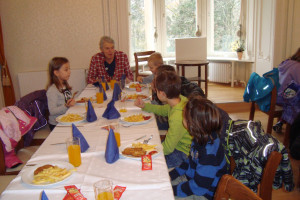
(68, 197)
(74, 192)
(118, 191)
(146, 162)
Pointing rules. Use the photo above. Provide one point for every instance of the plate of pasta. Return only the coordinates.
(133, 97)
(136, 150)
(46, 174)
(70, 118)
(134, 85)
(136, 119)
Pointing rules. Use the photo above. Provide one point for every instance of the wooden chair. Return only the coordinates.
(141, 59)
(265, 186)
(229, 187)
(274, 112)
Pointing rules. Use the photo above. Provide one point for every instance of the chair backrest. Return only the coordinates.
(274, 112)
(265, 186)
(229, 187)
(141, 57)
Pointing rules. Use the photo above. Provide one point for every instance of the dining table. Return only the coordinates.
(126, 171)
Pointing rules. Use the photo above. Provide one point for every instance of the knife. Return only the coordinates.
(140, 138)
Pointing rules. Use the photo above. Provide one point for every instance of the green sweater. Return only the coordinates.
(177, 137)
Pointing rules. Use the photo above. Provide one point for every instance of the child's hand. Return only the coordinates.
(139, 102)
(139, 79)
(70, 103)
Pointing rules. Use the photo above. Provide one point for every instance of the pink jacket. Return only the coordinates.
(14, 123)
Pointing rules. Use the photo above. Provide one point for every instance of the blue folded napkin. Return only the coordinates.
(123, 78)
(96, 84)
(117, 92)
(83, 143)
(90, 115)
(112, 150)
(111, 112)
(44, 196)
(106, 84)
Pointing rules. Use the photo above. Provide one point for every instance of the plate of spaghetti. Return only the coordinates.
(136, 119)
(70, 118)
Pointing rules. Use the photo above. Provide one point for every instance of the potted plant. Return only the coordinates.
(239, 47)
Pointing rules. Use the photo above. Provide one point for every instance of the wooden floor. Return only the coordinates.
(223, 93)
(231, 100)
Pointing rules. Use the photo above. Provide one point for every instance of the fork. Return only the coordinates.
(147, 140)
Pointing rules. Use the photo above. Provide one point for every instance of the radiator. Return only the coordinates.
(219, 72)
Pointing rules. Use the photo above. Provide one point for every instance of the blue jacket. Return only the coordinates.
(203, 169)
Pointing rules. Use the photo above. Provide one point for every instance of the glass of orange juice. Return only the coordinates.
(122, 102)
(103, 85)
(104, 190)
(116, 127)
(112, 83)
(73, 148)
(99, 95)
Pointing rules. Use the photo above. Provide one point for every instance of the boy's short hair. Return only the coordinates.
(162, 68)
(168, 82)
(156, 58)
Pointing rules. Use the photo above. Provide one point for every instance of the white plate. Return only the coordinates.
(146, 97)
(69, 123)
(136, 123)
(27, 175)
(158, 148)
(127, 86)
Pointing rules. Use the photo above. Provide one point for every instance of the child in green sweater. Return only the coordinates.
(177, 143)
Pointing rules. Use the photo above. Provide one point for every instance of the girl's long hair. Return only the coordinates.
(55, 64)
(202, 118)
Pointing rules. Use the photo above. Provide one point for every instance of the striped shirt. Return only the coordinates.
(203, 169)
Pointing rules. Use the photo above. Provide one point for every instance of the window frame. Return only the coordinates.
(204, 19)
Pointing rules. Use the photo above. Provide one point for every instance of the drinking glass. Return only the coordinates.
(104, 190)
(104, 85)
(112, 83)
(99, 95)
(122, 102)
(115, 126)
(73, 148)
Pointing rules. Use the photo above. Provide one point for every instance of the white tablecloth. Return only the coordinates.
(152, 184)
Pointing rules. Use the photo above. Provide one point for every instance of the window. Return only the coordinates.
(180, 21)
(155, 24)
(224, 24)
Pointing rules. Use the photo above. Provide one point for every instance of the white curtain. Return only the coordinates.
(116, 22)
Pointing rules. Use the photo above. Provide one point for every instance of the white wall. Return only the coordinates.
(35, 31)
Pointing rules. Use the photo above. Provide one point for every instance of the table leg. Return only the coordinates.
(199, 76)
(177, 68)
(206, 82)
(182, 68)
(232, 73)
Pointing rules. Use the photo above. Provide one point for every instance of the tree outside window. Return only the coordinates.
(179, 19)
